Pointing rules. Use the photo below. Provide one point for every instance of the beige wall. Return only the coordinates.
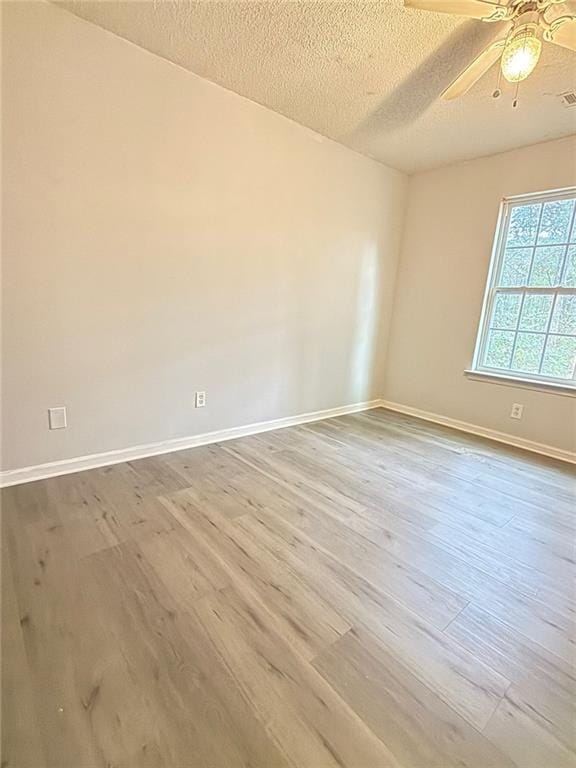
(449, 227)
(163, 235)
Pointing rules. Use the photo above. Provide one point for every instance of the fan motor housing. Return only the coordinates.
(522, 6)
(527, 18)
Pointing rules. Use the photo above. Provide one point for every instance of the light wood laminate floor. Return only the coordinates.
(365, 591)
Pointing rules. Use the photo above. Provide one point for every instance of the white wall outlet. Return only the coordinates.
(200, 400)
(57, 418)
(517, 410)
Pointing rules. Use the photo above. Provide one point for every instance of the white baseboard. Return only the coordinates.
(491, 434)
(80, 463)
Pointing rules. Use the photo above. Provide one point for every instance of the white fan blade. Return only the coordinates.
(475, 9)
(475, 70)
(565, 33)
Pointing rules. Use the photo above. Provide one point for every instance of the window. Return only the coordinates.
(528, 325)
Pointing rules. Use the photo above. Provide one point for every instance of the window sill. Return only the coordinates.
(567, 390)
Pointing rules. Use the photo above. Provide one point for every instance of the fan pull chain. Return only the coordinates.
(515, 102)
(498, 90)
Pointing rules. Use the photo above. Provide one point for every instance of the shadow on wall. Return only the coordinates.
(336, 352)
(364, 341)
(425, 84)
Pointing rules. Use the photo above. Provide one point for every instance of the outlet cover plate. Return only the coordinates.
(517, 411)
(57, 418)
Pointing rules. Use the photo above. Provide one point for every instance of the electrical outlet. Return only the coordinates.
(517, 410)
(200, 400)
(57, 418)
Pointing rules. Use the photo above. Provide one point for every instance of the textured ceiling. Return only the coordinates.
(367, 74)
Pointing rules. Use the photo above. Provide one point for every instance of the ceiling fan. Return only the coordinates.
(528, 25)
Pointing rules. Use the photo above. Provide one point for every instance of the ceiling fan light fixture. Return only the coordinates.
(521, 54)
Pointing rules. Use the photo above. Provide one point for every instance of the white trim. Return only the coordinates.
(491, 434)
(520, 382)
(80, 463)
(543, 196)
(499, 238)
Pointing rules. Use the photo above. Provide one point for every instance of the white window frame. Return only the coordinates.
(492, 289)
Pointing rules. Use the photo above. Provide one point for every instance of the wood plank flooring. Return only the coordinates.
(363, 592)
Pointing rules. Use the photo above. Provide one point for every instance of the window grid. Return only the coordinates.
(509, 364)
(550, 316)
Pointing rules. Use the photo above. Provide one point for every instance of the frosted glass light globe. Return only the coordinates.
(521, 56)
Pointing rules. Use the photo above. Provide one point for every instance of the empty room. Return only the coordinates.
(288, 384)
